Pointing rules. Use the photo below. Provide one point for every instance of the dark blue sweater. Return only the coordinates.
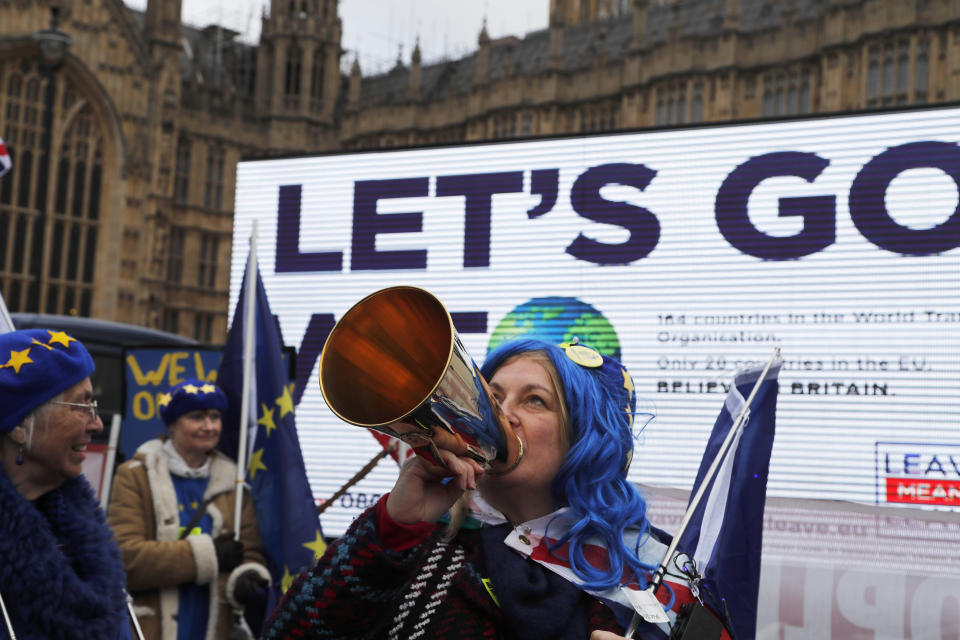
(60, 571)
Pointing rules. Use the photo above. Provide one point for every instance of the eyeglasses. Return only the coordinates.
(89, 406)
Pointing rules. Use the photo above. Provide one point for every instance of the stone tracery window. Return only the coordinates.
(888, 73)
(50, 210)
(696, 103)
(207, 261)
(213, 184)
(921, 72)
(672, 103)
(316, 81)
(181, 171)
(291, 84)
(787, 93)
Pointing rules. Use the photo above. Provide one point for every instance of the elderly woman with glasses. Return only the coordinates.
(60, 569)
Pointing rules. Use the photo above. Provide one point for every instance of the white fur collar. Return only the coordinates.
(179, 467)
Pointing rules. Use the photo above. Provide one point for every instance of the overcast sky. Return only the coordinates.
(376, 29)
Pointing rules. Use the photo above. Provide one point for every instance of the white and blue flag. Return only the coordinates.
(725, 533)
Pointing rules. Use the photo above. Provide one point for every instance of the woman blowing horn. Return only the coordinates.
(538, 543)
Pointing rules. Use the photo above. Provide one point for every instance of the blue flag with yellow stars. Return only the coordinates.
(286, 511)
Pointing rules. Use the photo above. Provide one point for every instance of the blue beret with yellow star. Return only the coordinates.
(35, 366)
(190, 395)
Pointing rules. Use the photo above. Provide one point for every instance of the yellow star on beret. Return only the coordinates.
(208, 388)
(18, 359)
(627, 381)
(59, 337)
(163, 400)
(191, 388)
(38, 343)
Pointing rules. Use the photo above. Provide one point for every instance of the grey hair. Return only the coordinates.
(39, 417)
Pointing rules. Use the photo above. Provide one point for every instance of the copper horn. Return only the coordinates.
(394, 363)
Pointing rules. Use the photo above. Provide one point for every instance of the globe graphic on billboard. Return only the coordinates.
(558, 320)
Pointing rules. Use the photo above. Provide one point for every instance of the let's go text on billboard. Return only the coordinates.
(866, 199)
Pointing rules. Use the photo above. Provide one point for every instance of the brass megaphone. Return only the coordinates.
(394, 363)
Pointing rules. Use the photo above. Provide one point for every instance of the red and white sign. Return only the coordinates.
(5, 161)
(918, 473)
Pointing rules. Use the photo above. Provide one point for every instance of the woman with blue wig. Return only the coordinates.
(526, 553)
(60, 570)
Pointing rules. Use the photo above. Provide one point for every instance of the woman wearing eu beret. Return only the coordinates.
(60, 569)
(172, 508)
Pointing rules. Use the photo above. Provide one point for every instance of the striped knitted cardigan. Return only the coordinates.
(364, 587)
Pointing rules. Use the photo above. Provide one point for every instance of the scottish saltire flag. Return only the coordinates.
(725, 534)
(5, 161)
(286, 511)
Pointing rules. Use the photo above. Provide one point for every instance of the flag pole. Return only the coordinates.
(249, 326)
(6, 322)
(115, 424)
(358, 476)
(702, 489)
(6, 619)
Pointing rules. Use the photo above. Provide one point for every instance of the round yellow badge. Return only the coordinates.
(584, 356)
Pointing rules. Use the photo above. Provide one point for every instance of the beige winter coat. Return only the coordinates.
(145, 519)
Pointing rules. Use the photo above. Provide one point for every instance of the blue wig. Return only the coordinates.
(592, 481)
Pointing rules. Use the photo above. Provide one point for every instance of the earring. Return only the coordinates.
(20, 455)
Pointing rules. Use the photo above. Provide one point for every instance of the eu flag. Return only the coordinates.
(286, 512)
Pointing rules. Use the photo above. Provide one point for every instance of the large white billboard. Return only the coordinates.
(836, 239)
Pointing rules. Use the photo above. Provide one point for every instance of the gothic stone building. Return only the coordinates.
(120, 202)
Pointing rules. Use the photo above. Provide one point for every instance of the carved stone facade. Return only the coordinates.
(120, 203)
(125, 212)
(605, 65)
